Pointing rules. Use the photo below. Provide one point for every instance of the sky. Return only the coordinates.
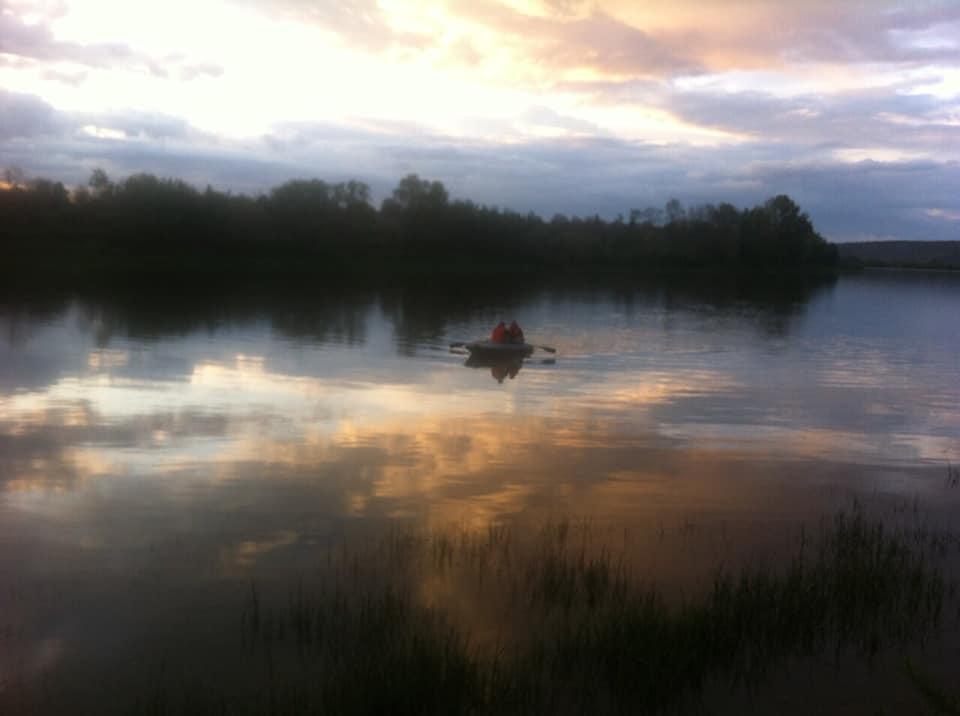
(852, 107)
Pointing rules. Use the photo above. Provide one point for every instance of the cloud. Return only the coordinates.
(361, 23)
(69, 78)
(145, 125)
(545, 117)
(203, 69)
(36, 42)
(877, 117)
(872, 199)
(744, 34)
(555, 40)
(23, 116)
(895, 122)
(26, 116)
(598, 41)
(569, 40)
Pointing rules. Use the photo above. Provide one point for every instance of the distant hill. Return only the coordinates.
(927, 254)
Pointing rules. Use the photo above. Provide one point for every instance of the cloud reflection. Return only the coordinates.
(262, 438)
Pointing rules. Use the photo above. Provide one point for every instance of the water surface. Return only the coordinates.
(199, 437)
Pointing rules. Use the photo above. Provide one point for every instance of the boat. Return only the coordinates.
(488, 350)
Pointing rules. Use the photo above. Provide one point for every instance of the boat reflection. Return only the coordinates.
(500, 368)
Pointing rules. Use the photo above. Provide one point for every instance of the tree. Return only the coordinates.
(14, 176)
(100, 183)
(351, 194)
(674, 211)
(52, 192)
(794, 231)
(302, 194)
(785, 213)
(646, 216)
(80, 195)
(414, 193)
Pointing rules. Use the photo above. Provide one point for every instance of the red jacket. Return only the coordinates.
(515, 333)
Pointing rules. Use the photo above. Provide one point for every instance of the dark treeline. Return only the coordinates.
(150, 223)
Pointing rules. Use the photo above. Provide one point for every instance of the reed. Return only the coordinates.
(594, 636)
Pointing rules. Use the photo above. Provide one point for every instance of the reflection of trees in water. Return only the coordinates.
(21, 314)
(152, 313)
(340, 319)
(772, 303)
(769, 303)
(420, 311)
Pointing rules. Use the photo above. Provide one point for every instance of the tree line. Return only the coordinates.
(145, 221)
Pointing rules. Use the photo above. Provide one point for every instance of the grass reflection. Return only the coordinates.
(578, 630)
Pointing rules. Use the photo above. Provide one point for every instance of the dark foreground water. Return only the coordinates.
(161, 452)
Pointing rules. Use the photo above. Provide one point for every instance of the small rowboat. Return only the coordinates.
(489, 350)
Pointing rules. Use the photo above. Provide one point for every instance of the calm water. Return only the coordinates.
(192, 438)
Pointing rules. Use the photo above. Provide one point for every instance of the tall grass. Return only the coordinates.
(578, 631)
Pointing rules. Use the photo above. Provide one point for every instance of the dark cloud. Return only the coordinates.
(873, 199)
(144, 125)
(874, 117)
(23, 115)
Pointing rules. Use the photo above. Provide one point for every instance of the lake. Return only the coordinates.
(157, 449)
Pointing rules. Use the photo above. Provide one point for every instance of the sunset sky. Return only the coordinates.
(851, 107)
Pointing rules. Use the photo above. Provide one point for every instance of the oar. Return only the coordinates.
(458, 344)
(548, 349)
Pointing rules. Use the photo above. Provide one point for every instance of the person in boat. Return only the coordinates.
(514, 333)
(499, 334)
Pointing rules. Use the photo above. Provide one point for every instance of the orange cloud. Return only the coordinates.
(542, 42)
